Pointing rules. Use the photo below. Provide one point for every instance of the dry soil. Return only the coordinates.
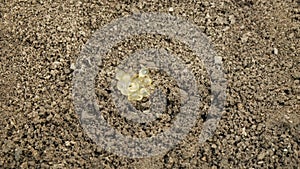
(258, 40)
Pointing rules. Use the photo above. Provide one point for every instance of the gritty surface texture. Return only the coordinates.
(259, 44)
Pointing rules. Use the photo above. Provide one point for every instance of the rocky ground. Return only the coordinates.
(258, 41)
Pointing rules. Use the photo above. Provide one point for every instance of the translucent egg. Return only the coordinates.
(119, 74)
(144, 92)
(135, 96)
(133, 86)
(126, 78)
(146, 81)
(123, 76)
(143, 72)
(123, 87)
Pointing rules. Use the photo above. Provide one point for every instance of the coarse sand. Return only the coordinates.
(258, 41)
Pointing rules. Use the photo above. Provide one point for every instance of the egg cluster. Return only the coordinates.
(136, 86)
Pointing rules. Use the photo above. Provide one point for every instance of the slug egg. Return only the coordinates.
(135, 87)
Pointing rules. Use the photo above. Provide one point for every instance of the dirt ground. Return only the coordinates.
(258, 41)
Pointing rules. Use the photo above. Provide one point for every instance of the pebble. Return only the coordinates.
(275, 51)
(72, 66)
(244, 38)
(67, 143)
(218, 60)
(244, 131)
(232, 19)
(261, 156)
(260, 162)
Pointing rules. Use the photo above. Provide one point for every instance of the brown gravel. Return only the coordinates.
(259, 44)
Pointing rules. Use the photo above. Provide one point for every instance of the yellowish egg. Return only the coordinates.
(143, 72)
(135, 87)
(135, 96)
(144, 92)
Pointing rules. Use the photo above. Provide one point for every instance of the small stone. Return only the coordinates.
(135, 10)
(44, 165)
(99, 149)
(275, 51)
(291, 35)
(72, 66)
(213, 146)
(146, 111)
(244, 38)
(259, 98)
(118, 6)
(171, 9)
(18, 154)
(240, 106)
(55, 65)
(296, 75)
(31, 163)
(67, 71)
(244, 131)
(67, 143)
(232, 19)
(261, 156)
(259, 127)
(218, 60)
(24, 165)
(82, 33)
(221, 21)
(226, 28)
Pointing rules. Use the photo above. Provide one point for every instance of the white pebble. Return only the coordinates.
(218, 60)
(72, 66)
(275, 50)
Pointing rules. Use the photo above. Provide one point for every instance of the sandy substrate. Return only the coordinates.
(258, 41)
